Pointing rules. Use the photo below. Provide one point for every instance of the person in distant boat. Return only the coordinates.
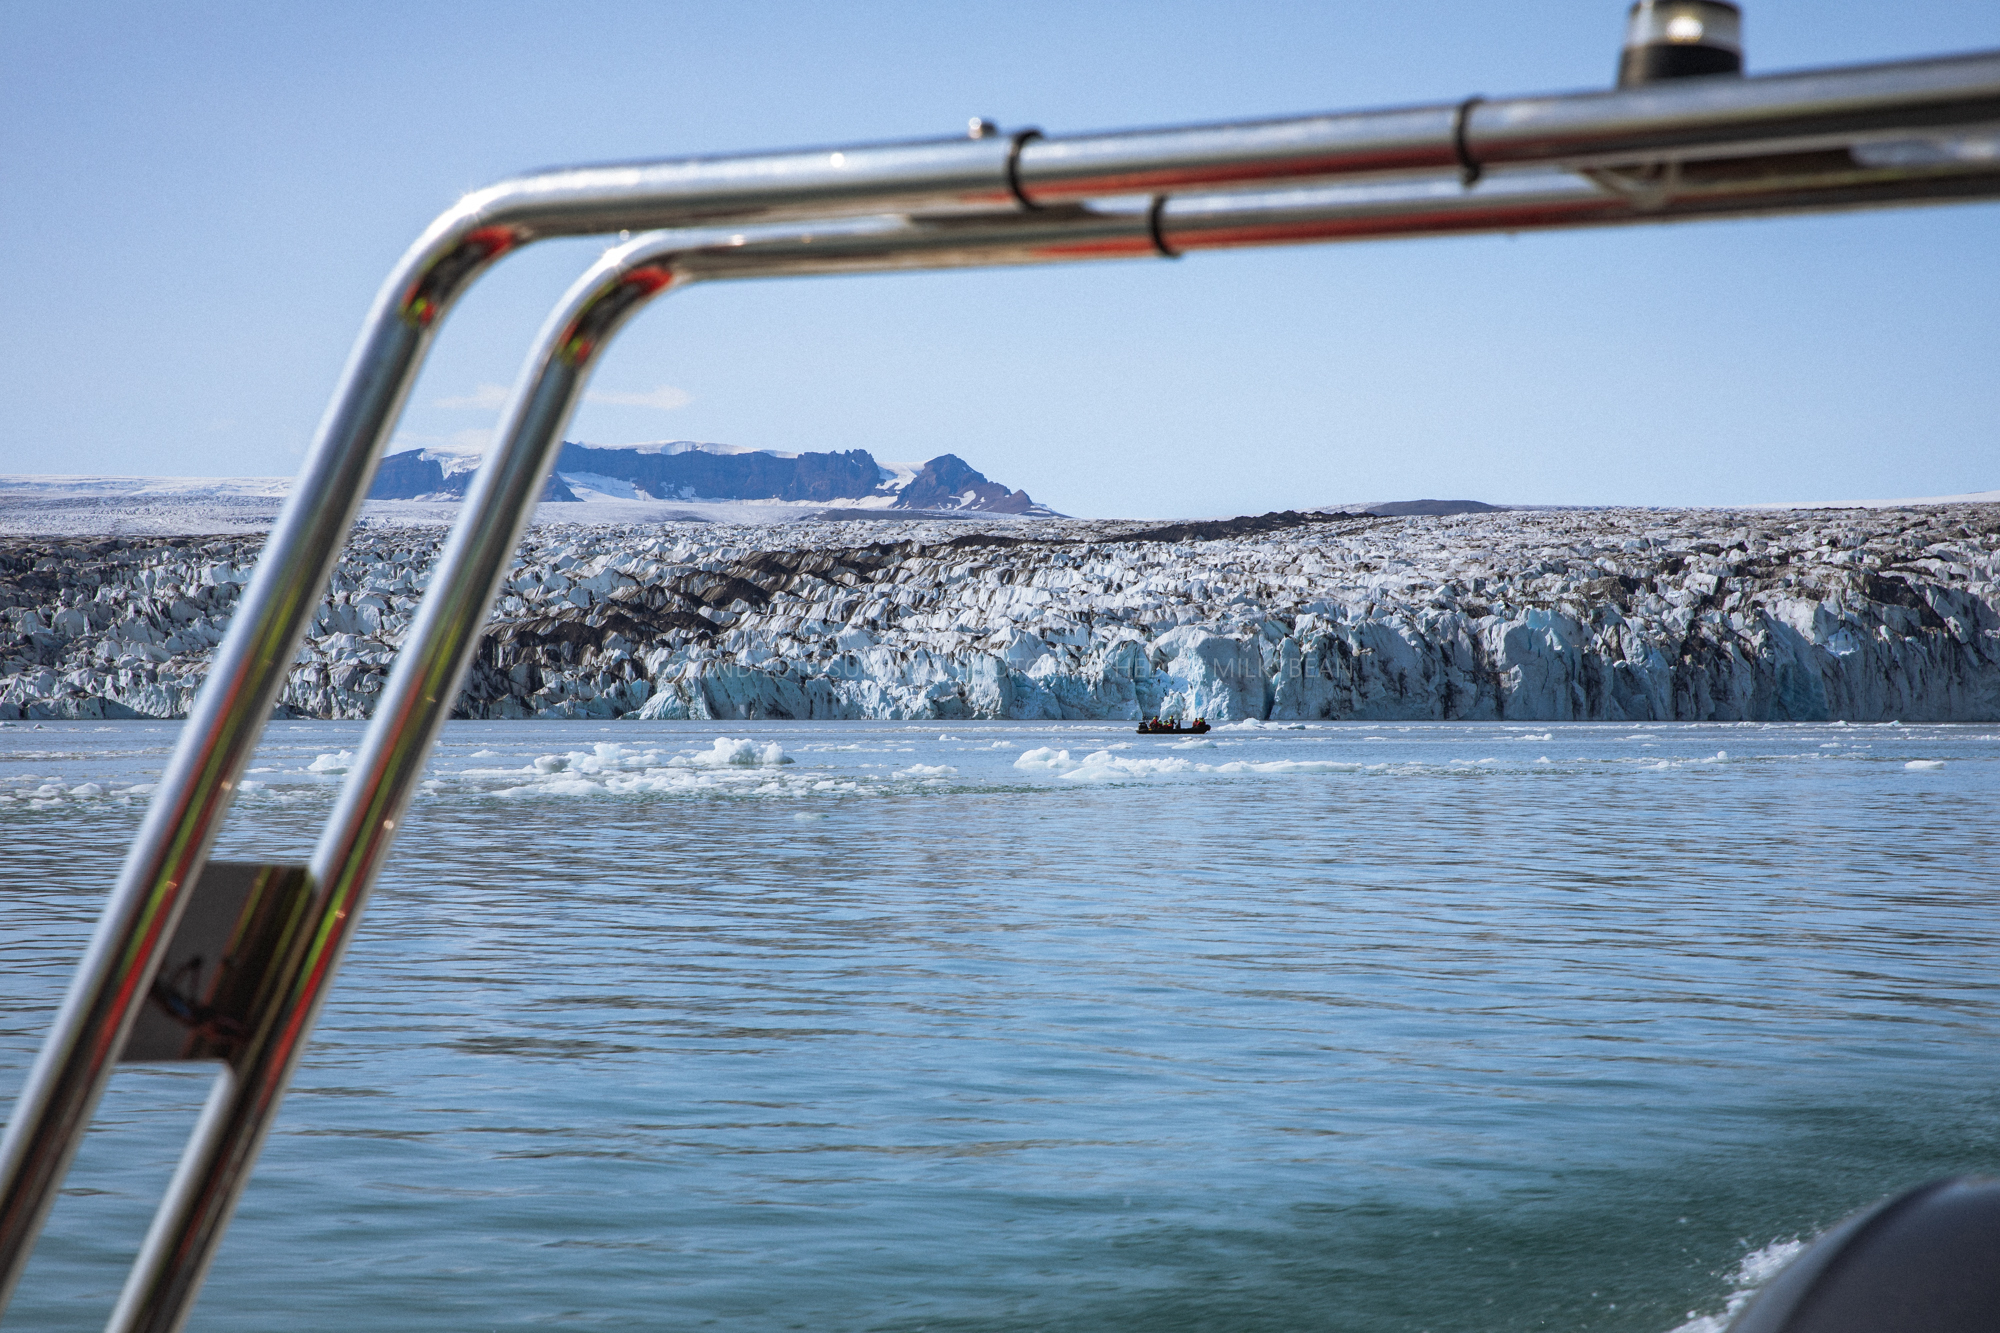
(1154, 726)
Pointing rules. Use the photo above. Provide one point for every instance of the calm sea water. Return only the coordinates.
(1438, 1027)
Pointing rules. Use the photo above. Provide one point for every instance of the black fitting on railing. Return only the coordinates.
(1469, 171)
(1153, 229)
(1014, 168)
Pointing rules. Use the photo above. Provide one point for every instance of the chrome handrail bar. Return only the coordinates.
(1408, 151)
(431, 665)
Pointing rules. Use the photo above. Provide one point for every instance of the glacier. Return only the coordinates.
(1532, 614)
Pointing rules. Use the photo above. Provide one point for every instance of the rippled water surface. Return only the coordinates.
(997, 1026)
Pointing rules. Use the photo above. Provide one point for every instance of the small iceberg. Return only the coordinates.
(922, 772)
(731, 753)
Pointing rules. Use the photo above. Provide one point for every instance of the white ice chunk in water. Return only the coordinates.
(332, 763)
(731, 753)
(1924, 765)
(1285, 766)
(921, 771)
(1097, 766)
(1104, 766)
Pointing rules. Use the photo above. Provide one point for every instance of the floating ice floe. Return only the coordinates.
(1283, 766)
(332, 763)
(1045, 759)
(728, 753)
(730, 765)
(1104, 766)
(1924, 765)
(1097, 766)
(926, 771)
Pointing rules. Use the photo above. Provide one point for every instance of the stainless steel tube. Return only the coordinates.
(429, 669)
(181, 1244)
(1724, 115)
(1604, 132)
(249, 669)
(189, 1225)
(1523, 201)
(1682, 118)
(432, 663)
(221, 732)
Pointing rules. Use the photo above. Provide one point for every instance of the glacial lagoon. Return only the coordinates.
(1025, 1025)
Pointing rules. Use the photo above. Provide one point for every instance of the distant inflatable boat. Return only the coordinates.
(1153, 726)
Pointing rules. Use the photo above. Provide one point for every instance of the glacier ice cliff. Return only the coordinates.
(1544, 615)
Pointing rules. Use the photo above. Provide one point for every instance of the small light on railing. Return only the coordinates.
(1676, 39)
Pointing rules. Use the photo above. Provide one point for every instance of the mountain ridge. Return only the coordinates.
(682, 470)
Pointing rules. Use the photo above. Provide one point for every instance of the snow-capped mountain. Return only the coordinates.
(687, 470)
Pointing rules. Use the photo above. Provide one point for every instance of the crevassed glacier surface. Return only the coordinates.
(1528, 615)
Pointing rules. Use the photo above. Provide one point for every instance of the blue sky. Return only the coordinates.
(200, 201)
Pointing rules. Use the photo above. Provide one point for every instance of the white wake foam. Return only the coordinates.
(1757, 1268)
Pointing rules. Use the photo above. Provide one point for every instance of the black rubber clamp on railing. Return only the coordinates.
(1469, 170)
(1153, 228)
(1014, 168)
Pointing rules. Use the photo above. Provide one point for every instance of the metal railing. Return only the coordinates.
(1721, 146)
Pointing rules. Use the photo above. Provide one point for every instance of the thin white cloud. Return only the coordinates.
(666, 398)
(485, 398)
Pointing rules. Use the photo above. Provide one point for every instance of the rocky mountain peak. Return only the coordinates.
(685, 470)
